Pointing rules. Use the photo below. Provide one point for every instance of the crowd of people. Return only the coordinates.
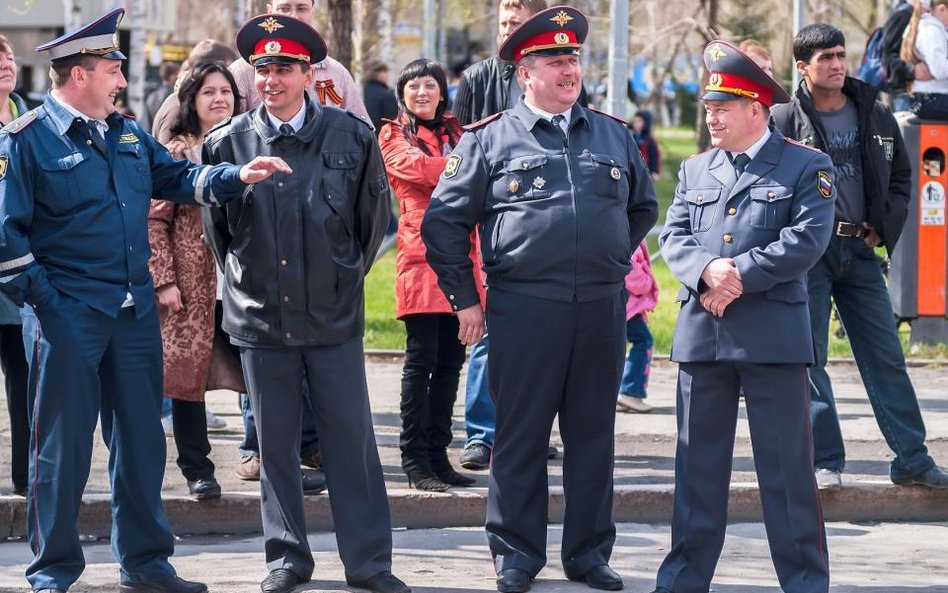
(226, 244)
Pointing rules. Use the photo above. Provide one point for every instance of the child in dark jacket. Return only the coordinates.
(642, 132)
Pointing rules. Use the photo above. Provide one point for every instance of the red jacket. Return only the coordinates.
(413, 175)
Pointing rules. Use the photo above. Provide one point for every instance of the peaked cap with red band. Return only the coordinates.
(551, 32)
(279, 39)
(733, 75)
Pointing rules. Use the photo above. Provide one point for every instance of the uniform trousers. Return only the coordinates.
(335, 376)
(83, 363)
(549, 357)
(776, 397)
(15, 371)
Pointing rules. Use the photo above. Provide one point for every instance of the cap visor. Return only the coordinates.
(719, 96)
(267, 60)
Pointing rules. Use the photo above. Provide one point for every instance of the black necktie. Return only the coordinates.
(287, 130)
(96, 137)
(556, 124)
(740, 162)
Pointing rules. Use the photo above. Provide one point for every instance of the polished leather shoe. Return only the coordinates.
(383, 582)
(204, 488)
(601, 577)
(314, 482)
(281, 580)
(933, 478)
(513, 580)
(173, 585)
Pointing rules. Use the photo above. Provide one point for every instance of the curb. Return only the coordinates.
(239, 513)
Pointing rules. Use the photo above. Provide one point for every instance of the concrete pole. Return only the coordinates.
(429, 34)
(618, 57)
(136, 57)
(72, 15)
(386, 33)
(799, 21)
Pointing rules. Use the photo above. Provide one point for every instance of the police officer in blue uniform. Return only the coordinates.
(76, 179)
(749, 218)
(561, 197)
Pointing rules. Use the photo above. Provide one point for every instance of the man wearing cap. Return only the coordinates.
(749, 218)
(561, 197)
(76, 179)
(844, 117)
(295, 251)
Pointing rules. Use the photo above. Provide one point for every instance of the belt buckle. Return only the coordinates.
(842, 229)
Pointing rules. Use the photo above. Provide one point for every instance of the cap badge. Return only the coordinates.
(539, 182)
(514, 186)
(714, 81)
(716, 53)
(561, 18)
(273, 47)
(561, 38)
(270, 25)
(615, 173)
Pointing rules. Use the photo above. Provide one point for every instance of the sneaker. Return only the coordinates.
(475, 456)
(214, 422)
(632, 405)
(167, 425)
(828, 479)
(249, 469)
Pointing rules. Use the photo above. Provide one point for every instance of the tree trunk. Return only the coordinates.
(340, 21)
(704, 137)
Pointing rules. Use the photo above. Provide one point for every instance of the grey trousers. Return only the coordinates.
(339, 395)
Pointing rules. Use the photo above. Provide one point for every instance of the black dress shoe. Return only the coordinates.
(601, 577)
(281, 580)
(204, 488)
(173, 585)
(20, 491)
(513, 580)
(383, 582)
(314, 482)
(475, 456)
(933, 478)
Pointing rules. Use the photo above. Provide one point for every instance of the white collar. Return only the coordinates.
(754, 148)
(296, 121)
(100, 124)
(548, 115)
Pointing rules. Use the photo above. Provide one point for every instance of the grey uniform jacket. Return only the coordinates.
(775, 222)
(556, 222)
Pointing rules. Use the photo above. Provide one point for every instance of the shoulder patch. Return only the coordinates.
(824, 183)
(483, 122)
(21, 122)
(801, 145)
(3, 166)
(609, 115)
(361, 119)
(452, 166)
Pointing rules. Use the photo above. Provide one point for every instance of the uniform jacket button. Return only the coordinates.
(732, 211)
(728, 238)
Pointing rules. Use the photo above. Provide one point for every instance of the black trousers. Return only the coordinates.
(433, 360)
(15, 372)
(190, 437)
(547, 358)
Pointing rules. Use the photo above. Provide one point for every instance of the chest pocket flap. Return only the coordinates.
(340, 160)
(701, 207)
(770, 206)
(526, 163)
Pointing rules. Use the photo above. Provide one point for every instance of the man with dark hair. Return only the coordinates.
(295, 252)
(379, 98)
(842, 117)
(168, 72)
(749, 217)
(561, 197)
(76, 182)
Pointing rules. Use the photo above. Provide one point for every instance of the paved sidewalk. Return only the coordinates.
(645, 446)
(864, 558)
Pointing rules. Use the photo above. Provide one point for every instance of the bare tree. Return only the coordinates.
(340, 24)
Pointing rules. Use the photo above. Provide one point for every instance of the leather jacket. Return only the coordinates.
(295, 250)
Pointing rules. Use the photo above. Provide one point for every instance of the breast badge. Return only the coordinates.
(615, 173)
(539, 182)
(514, 186)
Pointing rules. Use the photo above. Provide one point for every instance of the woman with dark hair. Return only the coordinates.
(185, 278)
(12, 356)
(415, 147)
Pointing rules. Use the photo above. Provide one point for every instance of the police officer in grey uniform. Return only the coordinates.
(560, 196)
(749, 218)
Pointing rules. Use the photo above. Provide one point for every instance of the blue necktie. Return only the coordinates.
(556, 120)
(740, 163)
(96, 136)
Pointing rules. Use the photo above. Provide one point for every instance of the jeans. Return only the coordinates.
(850, 273)
(901, 102)
(479, 410)
(639, 360)
(165, 406)
(250, 447)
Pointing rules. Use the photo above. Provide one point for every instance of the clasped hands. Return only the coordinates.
(724, 285)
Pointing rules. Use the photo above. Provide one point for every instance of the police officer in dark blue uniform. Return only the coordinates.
(561, 197)
(749, 218)
(76, 179)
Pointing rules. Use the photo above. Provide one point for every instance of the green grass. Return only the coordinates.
(384, 331)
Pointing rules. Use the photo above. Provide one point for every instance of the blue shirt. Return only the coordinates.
(75, 219)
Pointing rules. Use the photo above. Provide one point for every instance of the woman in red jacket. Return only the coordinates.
(415, 147)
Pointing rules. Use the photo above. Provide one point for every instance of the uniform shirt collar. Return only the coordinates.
(567, 115)
(530, 115)
(754, 148)
(66, 114)
(296, 121)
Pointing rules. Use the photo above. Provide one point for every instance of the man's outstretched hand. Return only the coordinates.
(262, 167)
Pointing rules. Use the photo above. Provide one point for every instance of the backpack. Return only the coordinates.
(871, 69)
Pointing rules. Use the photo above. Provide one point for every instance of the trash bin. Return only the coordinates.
(918, 271)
